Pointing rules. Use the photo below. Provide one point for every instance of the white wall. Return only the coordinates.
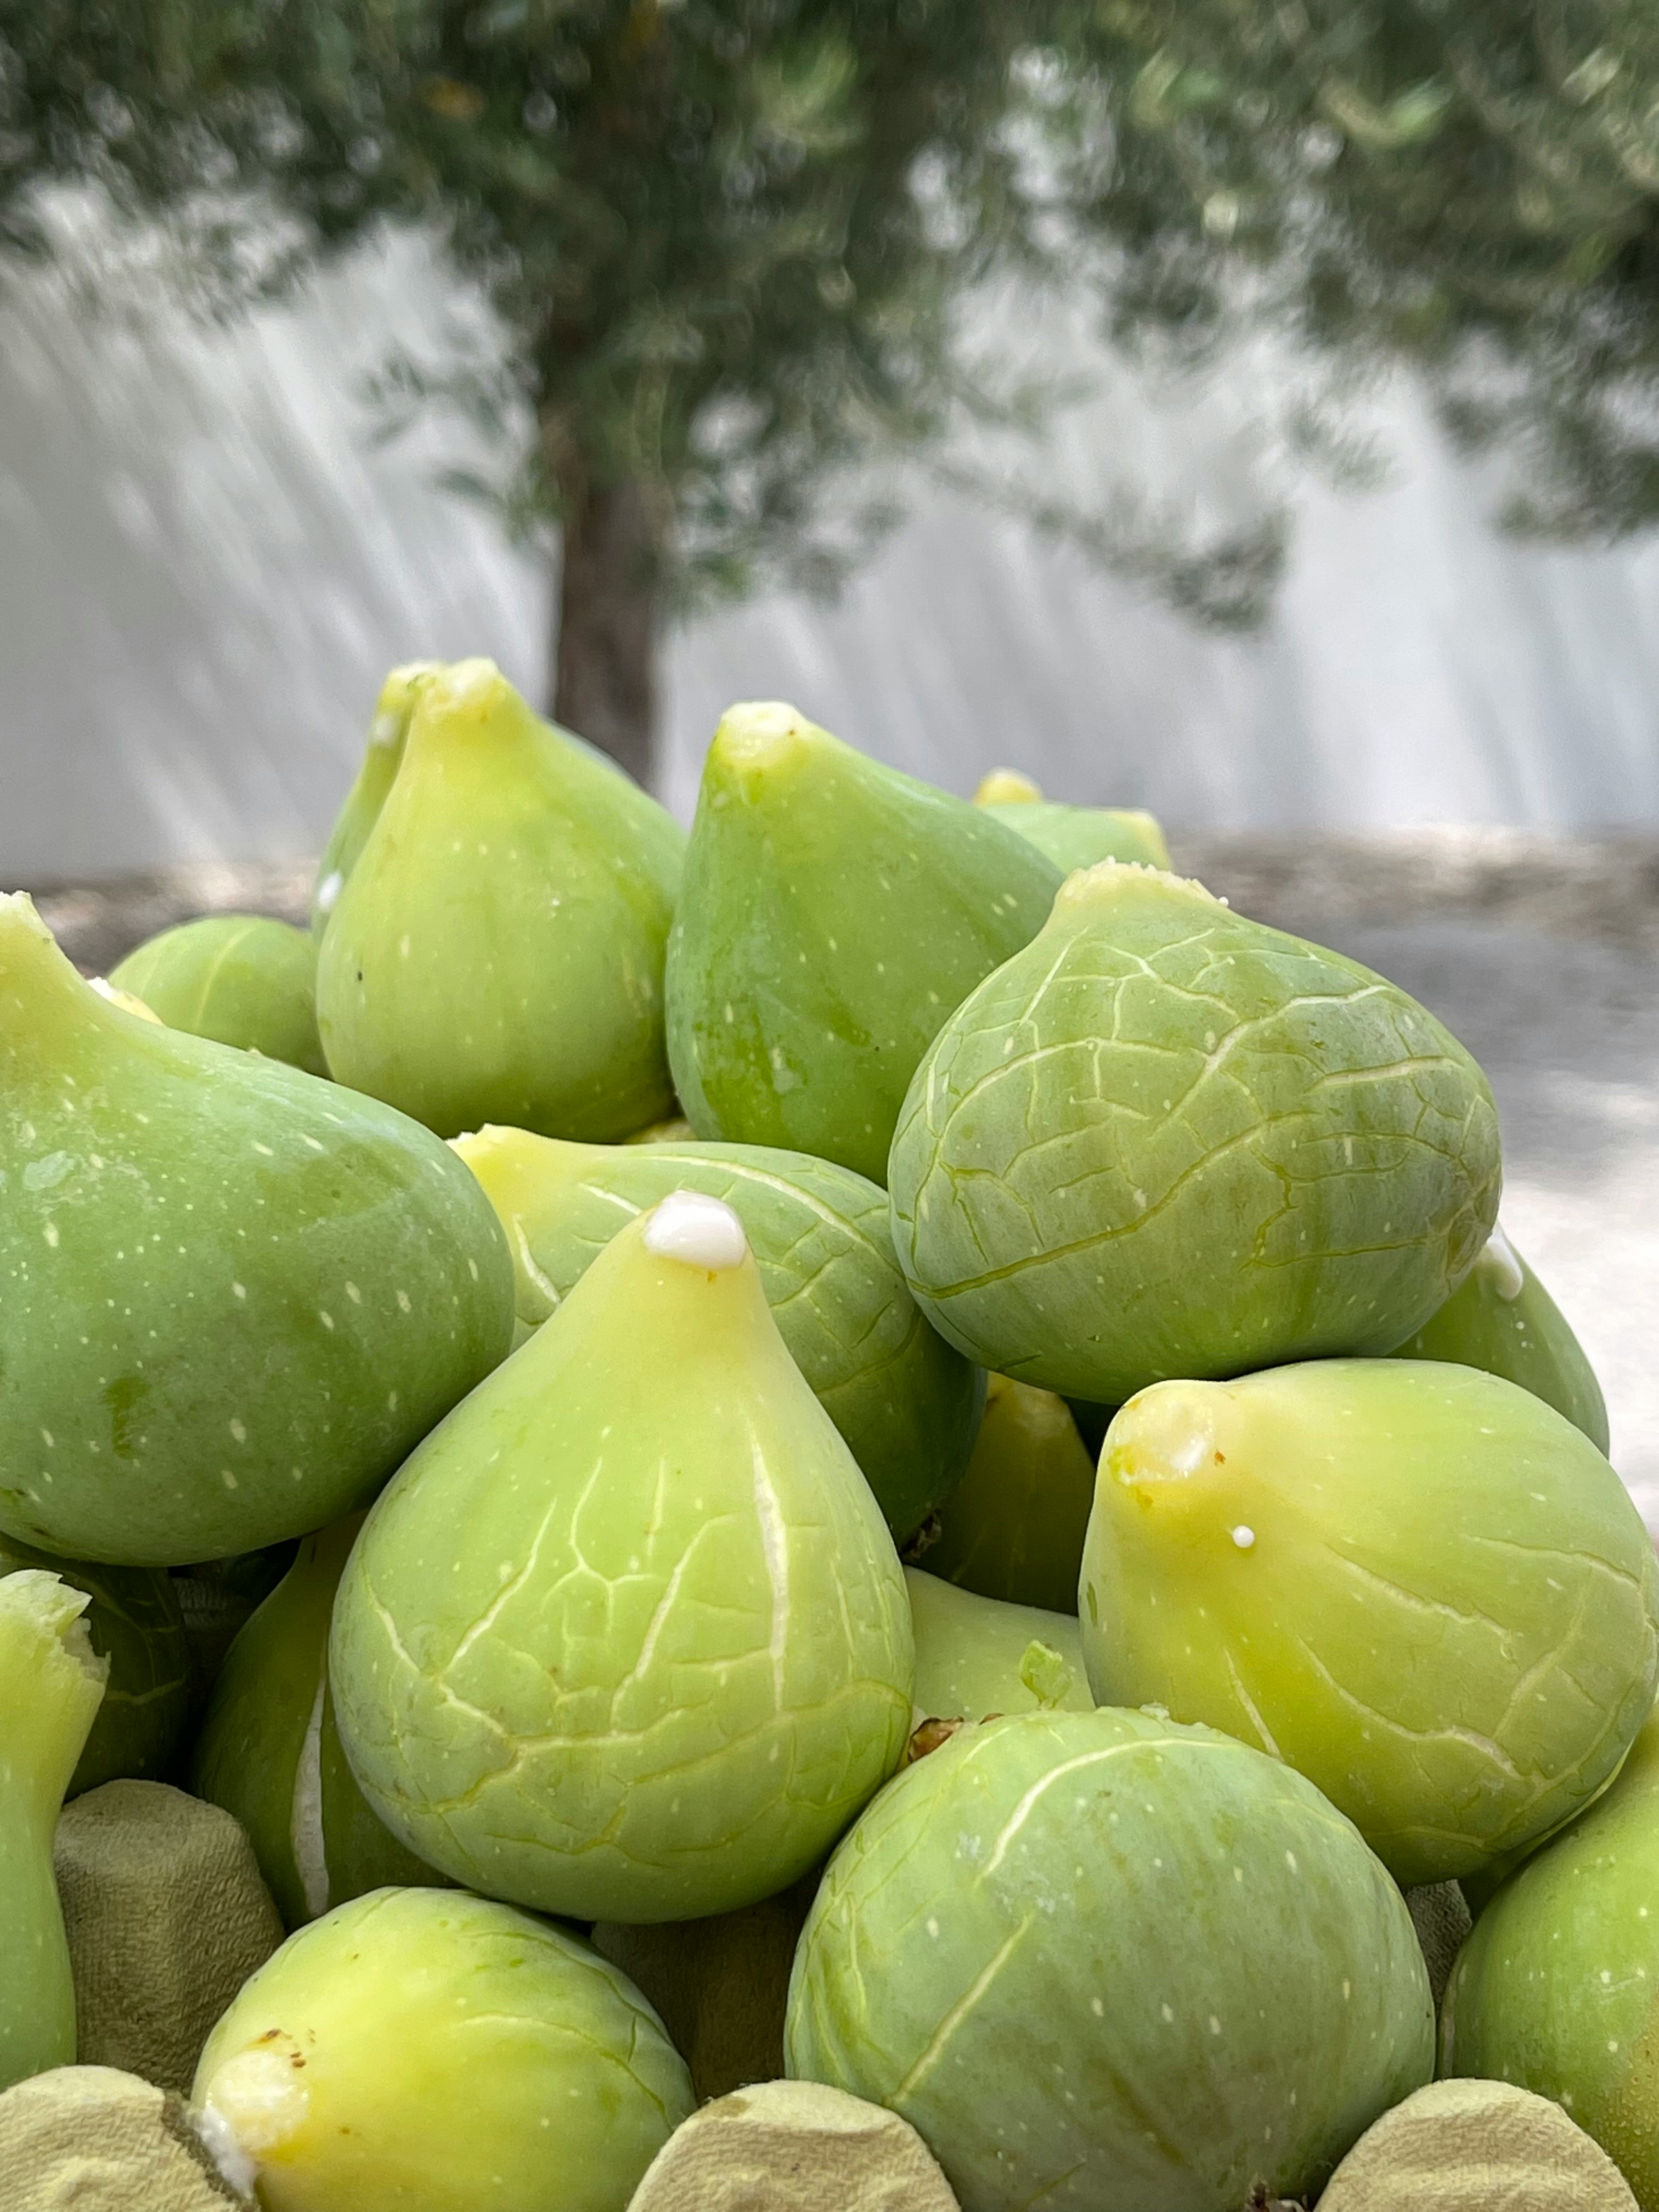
(206, 563)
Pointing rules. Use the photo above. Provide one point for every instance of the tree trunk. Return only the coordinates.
(605, 684)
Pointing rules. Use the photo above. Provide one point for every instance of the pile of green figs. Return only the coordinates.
(891, 1350)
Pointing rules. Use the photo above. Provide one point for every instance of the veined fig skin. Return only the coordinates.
(905, 1403)
(1013, 1527)
(1154, 1077)
(977, 1656)
(430, 2049)
(1416, 1583)
(627, 1637)
(292, 1282)
(269, 1750)
(497, 953)
(134, 1626)
(1501, 1318)
(51, 1683)
(834, 912)
(1557, 1988)
(1059, 1946)
(240, 979)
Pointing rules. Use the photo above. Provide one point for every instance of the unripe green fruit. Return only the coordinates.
(134, 1626)
(1557, 1988)
(240, 979)
(1416, 1583)
(1164, 1140)
(270, 1751)
(497, 952)
(1013, 1527)
(1501, 1318)
(1061, 1947)
(428, 2050)
(627, 1637)
(977, 1656)
(905, 1403)
(833, 913)
(1072, 836)
(291, 1284)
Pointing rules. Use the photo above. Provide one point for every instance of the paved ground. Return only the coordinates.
(1542, 955)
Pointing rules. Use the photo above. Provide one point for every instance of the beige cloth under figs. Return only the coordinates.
(88, 2139)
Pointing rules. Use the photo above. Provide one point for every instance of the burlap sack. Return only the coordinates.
(1476, 2146)
(1440, 1913)
(88, 2139)
(167, 1917)
(794, 2144)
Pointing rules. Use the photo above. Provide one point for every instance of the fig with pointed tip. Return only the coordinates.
(668, 1654)
(50, 1684)
(240, 979)
(269, 1751)
(1165, 1140)
(1557, 1988)
(905, 1402)
(1072, 836)
(235, 1295)
(497, 953)
(382, 758)
(1417, 1583)
(835, 912)
(136, 1627)
(1013, 1527)
(977, 1656)
(1501, 1318)
(429, 2049)
(1060, 1947)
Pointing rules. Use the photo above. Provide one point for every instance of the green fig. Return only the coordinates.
(1072, 836)
(428, 2050)
(382, 758)
(977, 1656)
(1418, 1585)
(1164, 1140)
(50, 1684)
(835, 912)
(240, 979)
(136, 1629)
(269, 1751)
(1013, 1527)
(1557, 1988)
(497, 953)
(1501, 1318)
(905, 1403)
(1104, 1964)
(627, 1637)
(236, 1296)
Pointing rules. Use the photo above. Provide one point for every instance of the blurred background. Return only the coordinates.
(1243, 411)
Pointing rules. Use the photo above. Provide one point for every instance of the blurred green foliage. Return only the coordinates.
(727, 242)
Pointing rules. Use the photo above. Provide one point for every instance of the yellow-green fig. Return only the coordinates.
(627, 1637)
(1013, 1526)
(240, 979)
(51, 1683)
(977, 1656)
(906, 1404)
(1500, 1317)
(269, 1750)
(1166, 1140)
(134, 1626)
(388, 734)
(431, 2050)
(1557, 1988)
(497, 952)
(835, 912)
(235, 1295)
(1417, 1583)
(1072, 836)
